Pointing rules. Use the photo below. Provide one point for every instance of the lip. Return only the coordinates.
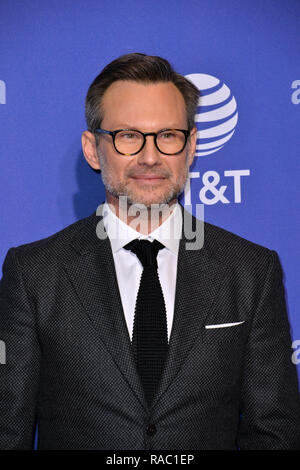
(148, 177)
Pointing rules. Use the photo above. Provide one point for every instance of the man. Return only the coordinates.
(120, 337)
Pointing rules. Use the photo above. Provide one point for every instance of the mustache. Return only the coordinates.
(161, 174)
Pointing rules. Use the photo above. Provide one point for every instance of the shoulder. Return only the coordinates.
(219, 238)
(231, 249)
(238, 252)
(56, 246)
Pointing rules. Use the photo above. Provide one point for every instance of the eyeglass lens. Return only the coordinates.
(170, 141)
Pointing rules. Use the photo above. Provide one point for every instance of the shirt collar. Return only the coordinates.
(119, 233)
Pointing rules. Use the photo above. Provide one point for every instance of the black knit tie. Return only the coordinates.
(150, 334)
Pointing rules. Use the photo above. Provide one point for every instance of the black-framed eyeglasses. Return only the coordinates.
(130, 141)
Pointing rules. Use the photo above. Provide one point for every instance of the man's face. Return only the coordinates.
(148, 177)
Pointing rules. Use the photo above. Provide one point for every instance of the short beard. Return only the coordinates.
(121, 189)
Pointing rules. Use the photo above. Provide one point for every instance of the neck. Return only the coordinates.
(143, 219)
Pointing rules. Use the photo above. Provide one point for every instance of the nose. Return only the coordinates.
(149, 155)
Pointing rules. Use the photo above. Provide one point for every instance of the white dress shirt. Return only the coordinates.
(129, 268)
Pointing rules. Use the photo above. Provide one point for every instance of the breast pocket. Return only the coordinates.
(234, 332)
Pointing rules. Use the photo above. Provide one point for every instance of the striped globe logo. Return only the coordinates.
(216, 116)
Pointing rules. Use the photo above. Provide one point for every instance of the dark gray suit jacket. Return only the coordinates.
(69, 364)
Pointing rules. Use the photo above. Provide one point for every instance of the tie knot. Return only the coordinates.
(145, 250)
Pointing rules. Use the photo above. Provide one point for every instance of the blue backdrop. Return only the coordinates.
(248, 56)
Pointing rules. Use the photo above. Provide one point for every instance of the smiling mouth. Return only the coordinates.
(148, 180)
(148, 177)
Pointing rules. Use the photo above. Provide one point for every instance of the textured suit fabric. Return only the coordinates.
(69, 363)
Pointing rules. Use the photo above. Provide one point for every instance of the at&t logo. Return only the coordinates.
(216, 120)
(216, 116)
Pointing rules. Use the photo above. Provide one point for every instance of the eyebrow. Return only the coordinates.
(128, 126)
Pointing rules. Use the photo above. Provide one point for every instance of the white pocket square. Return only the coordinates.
(224, 325)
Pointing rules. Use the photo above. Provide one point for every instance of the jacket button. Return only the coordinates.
(151, 429)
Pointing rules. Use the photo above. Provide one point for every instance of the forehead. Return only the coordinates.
(143, 105)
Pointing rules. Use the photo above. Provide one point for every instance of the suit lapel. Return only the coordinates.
(93, 275)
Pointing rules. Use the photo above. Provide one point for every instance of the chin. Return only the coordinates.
(148, 201)
(148, 196)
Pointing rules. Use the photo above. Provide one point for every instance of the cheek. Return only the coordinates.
(115, 166)
(178, 168)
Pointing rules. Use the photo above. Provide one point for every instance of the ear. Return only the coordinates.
(89, 149)
(192, 146)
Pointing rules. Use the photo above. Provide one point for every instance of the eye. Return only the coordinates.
(168, 135)
(127, 135)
